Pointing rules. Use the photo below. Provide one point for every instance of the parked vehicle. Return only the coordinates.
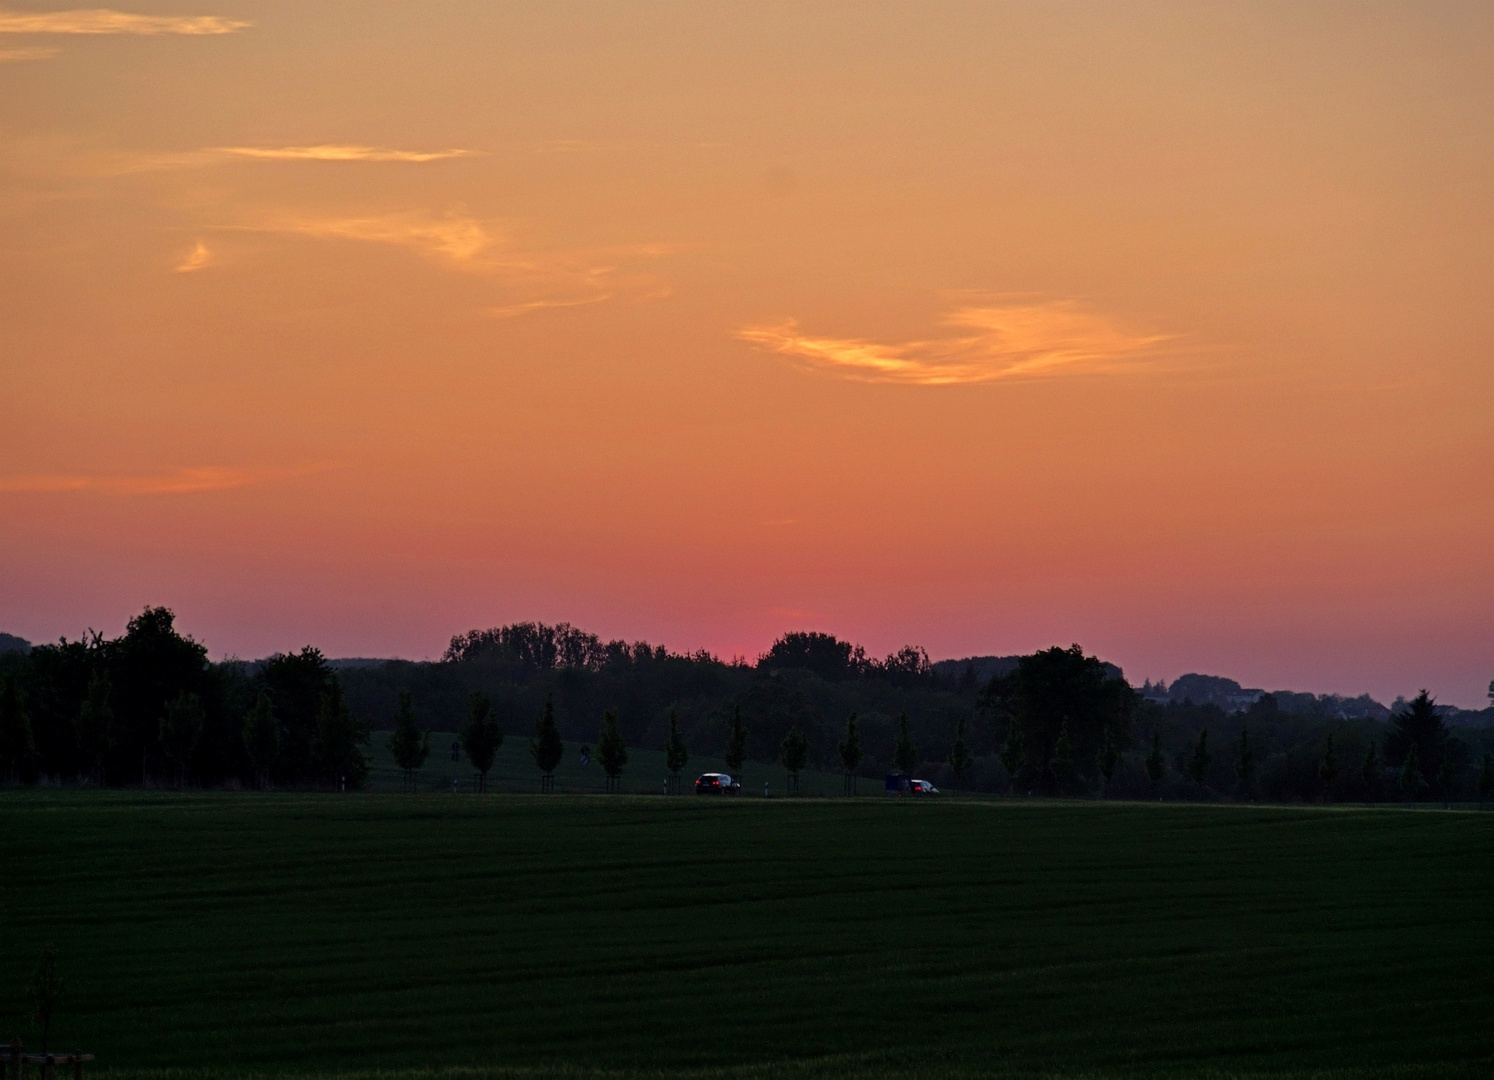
(717, 783)
(921, 787)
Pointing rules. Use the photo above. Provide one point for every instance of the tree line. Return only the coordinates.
(149, 707)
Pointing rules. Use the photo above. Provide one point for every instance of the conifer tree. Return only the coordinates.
(850, 754)
(736, 743)
(262, 738)
(1156, 764)
(1328, 768)
(1412, 782)
(612, 752)
(181, 728)
(409, 745)
(546, 747)
(959, 754)
(676, 754)
(1061, 764)
(904, 756)
(96, 725)
(794, 753)
(1369, 771)
(1198, 764)
(1106, 760)
(17, 748)
(1244, 766)
(1486, 780)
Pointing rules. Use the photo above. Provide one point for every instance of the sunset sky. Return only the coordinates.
(1166, 329)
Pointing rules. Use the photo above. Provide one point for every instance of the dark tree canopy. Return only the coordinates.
(1056, 687)
(409, 745)
(481, 736)
(546, 746)
(736, 742)
(824, 654)
(612, 752)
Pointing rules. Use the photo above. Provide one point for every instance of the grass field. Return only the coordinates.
(232, 934)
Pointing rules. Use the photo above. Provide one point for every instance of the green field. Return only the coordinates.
(230, 934)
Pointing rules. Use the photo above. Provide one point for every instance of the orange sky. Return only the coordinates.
(1166, 329)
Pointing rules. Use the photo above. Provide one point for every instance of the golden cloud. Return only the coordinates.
(455, 237)
(104, 21)
(179, 482)
(198, 258)
(10, 56)
(339, 152)
(1007, 341)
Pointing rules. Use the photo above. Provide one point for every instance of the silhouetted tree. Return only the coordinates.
(1417, 725)
(96, 725)
(546, 747)
(850, 754)
(338, 745)
(409, 745)
(1198, 763)
(1106, 761)
(1328, 768)
(1013, 754)
(1369, 772)
(794, 753)
(904, 755)
(1447, 774)
(736, 743)
(181, 727)
(44, 991)
(1061, 764)
(676, 755)
(1412, 782)
(1059, 686)
(1486, 780)
(959, 754)
(17, 747)
(481, 736)
(824, 654)
(1244, 767)
(261, 738)
(612, 752)
(296, 683)
(1156, 764)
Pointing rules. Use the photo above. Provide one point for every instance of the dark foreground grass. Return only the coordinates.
(592, 938)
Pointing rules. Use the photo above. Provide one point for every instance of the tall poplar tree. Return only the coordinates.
(736, 743)
(546, 747)
(676, 754)
(904, 756)
(1328, 768)
(409, 745)
(1156, 764)
(1198, 763)
(612, 752)
(261, 738)
(850, 754)
(794, 753)
(959, 754)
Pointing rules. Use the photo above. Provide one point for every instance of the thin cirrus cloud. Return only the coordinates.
(105, 21)
(177, 482)
(339, 152)
(1004, 341)
(11, 56)
(534, 280)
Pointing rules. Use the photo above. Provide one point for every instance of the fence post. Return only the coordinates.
(14, 1071)
(77, 1065)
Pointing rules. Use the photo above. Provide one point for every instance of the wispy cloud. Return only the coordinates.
(455, 237)
(11, 56)
(105, 21)
(177, 482)
(1004, 341)
(339, 152)
(198, 258)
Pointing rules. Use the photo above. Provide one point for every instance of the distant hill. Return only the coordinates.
(9, 643)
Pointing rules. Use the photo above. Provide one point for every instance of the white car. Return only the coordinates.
(921, 787)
